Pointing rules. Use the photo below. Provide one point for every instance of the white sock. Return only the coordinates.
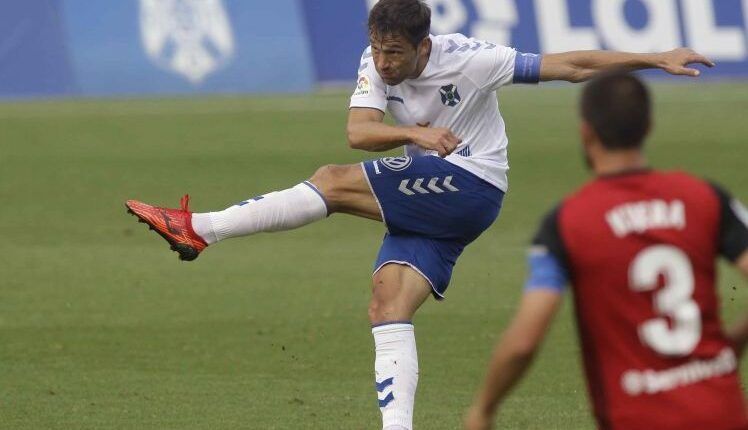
(396, 370)
(276, 211)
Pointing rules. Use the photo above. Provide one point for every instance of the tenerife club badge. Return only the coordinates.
(450, 96)
(190, 37)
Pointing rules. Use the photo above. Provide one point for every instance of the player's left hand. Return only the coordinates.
(676, 61)
(476, 419)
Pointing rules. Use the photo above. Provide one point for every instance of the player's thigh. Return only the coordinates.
(398, 292)
(346, 190)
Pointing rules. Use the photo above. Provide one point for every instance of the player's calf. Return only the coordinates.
(275, 211)
(398, 292)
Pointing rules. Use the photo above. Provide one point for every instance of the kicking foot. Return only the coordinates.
(174, 225)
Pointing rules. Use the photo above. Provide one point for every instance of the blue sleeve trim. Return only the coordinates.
(546, 272)
(527, 68)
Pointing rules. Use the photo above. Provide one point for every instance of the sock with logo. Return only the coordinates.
(276, 211)
(396, 370)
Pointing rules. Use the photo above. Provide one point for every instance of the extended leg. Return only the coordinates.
(331, 189)
(398, 292)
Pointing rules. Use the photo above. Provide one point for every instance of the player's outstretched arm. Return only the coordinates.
(513, 354)
(738, 332)
(579, 66)
(367, 132)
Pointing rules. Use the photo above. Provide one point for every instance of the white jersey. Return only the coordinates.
(456, 90)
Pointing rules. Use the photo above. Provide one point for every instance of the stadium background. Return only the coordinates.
(101, 327)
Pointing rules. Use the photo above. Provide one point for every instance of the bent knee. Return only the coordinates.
(382, 310)
(327, 175)
(334, 181)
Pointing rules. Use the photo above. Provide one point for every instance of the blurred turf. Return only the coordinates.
(102, 327)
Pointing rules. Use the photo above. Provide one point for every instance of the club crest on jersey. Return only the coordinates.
(396, 163)
(363, 86)
(450, 96)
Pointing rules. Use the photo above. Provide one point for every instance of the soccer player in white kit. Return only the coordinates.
(439, 197)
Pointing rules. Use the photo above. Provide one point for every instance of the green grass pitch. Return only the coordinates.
(102, 327)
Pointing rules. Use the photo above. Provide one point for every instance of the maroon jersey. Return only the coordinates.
(640, 251)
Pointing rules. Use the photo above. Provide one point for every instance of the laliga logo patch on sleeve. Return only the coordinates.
(363, 86)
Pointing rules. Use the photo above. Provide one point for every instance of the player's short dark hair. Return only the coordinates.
(617, 106)
(408, 18)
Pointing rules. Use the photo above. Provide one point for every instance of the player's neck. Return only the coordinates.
(423, 61)
(619, 162)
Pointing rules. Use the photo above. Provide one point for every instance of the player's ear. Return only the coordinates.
(424, 44)
(587, 133)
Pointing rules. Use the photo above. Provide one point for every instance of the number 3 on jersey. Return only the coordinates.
(674, 300)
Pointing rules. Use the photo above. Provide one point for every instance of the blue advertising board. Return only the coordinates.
(133, 47)
(716, 28)
(145, 47)
(33, 58)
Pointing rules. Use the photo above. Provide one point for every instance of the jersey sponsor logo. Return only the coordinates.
(637, 382)
(740, 211)
(190, 37)
(450, 96)
(638, 217)
(363, 86)
(396, 164)
(432, 186)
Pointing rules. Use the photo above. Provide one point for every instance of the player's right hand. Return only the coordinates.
(676, 61)
(438, 139)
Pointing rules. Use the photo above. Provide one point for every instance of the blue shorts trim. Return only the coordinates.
(381, 212)
(433, 259)
(434, 291)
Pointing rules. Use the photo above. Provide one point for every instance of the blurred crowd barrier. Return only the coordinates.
(142, 47)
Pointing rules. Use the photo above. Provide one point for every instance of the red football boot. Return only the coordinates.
(174, 225)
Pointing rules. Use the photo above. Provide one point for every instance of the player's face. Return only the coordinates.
(395, 58)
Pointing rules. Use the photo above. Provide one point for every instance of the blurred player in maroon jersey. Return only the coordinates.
(639, 247)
